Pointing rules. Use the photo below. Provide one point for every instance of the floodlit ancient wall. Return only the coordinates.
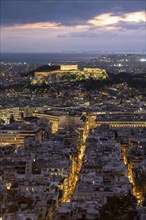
(95, 70)
(41, 74)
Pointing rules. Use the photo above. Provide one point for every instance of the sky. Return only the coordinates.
(72, 25)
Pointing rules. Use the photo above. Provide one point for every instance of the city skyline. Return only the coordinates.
(73, 109)
(50, 26)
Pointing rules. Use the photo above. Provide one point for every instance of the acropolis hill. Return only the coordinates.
(69, 73)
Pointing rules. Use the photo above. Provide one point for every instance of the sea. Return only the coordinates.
(45, 58)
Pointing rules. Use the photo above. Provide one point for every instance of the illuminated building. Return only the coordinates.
(59, 120)
(5, 114)
(16, 137)
(122, 123)
(69, 67)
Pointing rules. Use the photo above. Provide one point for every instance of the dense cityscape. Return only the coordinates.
(71, 158)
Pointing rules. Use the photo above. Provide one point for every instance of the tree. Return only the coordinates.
(119, 208)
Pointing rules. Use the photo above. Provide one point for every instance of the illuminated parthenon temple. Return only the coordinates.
(69, 67)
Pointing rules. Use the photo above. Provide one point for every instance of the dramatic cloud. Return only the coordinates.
(39, 25)
(70, 25)
(65, 12)
(109, 21)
